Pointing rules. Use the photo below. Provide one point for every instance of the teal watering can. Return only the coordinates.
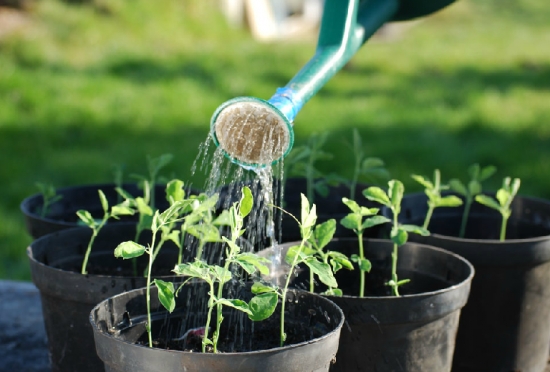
(256, 133)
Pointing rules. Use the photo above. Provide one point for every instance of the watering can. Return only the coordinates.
(256, 133)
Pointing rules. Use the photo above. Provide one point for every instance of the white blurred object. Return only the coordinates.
(274, 19)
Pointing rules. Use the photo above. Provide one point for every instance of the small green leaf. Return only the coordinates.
(87, 218)
(263, 306)
(403, 281)
(333, 292)
(374, 221)
(129, 249)
(196, 269)
(258, 288)
(205, 232)
(352, 205)
(293, 251)
(166, 294)
(247, 202)
(488, 201)
(474, 187)
(414, 229)
(473, 171)
(222, 274)
(143, 207)
(257, 262)
(235, 303)
(223, 219)
(364, 265)
(104, 202)
(487, 172)
(175, 191)
(376, 194)
(322, 270)
(458, 187)
(351, 221)
(341, 259)
(324, 233)
(396, 191)
(423, 181)
(399, 236)
(503, 196)
(449, 201)
(370, 163)
(121, 210)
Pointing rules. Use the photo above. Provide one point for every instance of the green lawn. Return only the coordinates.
(87, 87)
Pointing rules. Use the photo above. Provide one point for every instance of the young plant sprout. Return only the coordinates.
(154, 166)
(399, 232)
(368, 167)
(469, 192)
(433, 192)
(122, 209)
(49, 197)
(258, 308)
(321, 237)
(131, 249)
(354, 221)
(302, 160)
(305, 254)
(504, 197)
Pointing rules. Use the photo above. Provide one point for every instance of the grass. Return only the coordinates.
(86, 87)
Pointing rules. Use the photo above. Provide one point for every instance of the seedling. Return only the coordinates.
(131, 249)
(504, 197)
(49, 197)
(302, 161)
(321, 237)
(399, 232)
(122, 209)
(154, 166)
(372, 169)
(354, 221)
(477, 176)
(433, 192)
(305, 254)
(258, 308)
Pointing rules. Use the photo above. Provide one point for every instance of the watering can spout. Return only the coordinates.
(256, 133)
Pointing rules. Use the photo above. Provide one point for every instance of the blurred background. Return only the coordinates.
(89, 85)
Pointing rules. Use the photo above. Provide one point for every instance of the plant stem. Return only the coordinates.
(431, 208)
(285, 290)
(199, 251)
(362, 273)
(208, 319)
(148, 293)
(395, 288)
(95, 232)
(311, 282)
(465, 214)
(503, 228)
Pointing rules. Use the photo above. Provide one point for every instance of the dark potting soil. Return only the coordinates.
(237, 338)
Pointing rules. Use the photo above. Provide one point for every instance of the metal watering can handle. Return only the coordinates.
(257, 133)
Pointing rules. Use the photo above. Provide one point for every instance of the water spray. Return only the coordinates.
(255, 133)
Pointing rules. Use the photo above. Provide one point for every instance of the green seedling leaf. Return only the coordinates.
(487, 172)
(309, 216)
(223, 275)
(396, 191)
(171, 235)
(403, 281)
(376, 194)
(414, 229)
(258, 288)
(175, 191)
(324, 233)
(333, 292)
(104, 202)
(206, 233)
(166, 294)
(247, 202)
(339, 260)
(449, 201)
(259, 263)
(223, 219)
(263, 306)
(363, 263)
(474, 187)
(488, 201)
(129, 249)
(352, 221)
(374, 221)
(423, 181)
(352, 205)
(473, 171)
(370, 163)
(503, 196)
(292, 251)
(142, 207)
(399, 236)
(124, 194)
(321, 188)
(237, 304)
(322, 270)
(195, 269)
(458, 187)
(86, 217)
(121, 210)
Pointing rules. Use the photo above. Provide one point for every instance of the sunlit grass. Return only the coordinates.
(83, 88)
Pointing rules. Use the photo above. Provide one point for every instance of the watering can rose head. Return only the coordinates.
(252, 132)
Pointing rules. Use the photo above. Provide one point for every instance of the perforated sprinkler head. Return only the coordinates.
(251, 132)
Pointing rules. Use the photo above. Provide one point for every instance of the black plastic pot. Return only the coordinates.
(62, 214)
(68, 296)
(506, 324)
(414, 332)
(119, 330)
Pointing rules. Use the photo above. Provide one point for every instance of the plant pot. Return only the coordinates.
(414, 332)
(62, 214)
(68, 296)
(119, 328)
(506, 324)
